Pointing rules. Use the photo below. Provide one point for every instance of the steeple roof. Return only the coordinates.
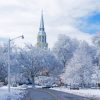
(42, 22)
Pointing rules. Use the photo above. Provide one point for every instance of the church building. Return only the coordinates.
(41, 38)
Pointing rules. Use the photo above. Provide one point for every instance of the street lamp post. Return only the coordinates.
(9, 77)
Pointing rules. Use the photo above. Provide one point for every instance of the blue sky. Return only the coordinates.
(90, 24)
(77, 20)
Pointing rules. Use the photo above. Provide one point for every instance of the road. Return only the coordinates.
(48, 94)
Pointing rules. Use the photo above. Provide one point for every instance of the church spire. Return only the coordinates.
(41, 22)
(41, 38)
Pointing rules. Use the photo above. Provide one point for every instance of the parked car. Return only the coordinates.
(47, 86)
(74, 87)
(55, 85)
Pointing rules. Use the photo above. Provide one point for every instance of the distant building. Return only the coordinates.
(41, 38)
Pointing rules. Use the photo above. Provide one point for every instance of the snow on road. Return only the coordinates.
(16, 93)
(93, 93)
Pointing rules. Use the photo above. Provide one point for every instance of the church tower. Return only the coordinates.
(41, 38)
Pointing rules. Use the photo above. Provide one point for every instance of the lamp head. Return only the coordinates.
(22, 37)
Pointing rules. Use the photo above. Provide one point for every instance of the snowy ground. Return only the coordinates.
(91, 93)
(17, 93)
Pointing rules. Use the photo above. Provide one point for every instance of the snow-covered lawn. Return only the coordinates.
(93, 93)
(16, 93)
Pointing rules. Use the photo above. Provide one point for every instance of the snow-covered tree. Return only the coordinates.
(3, 63)
(96, 75)
(96, 41)
(17, 76)
(79, 70)
(36, 61)
(64, 48)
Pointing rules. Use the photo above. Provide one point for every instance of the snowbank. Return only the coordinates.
(16, 93)
(93, 93)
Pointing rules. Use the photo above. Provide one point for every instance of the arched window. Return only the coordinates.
(42, 38)
(45, 39)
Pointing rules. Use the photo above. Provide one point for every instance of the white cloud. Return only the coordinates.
(23, 16)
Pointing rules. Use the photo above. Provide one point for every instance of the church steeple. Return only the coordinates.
(41, 39)
(42, 22)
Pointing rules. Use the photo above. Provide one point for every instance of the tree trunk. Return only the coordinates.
(33, 81)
